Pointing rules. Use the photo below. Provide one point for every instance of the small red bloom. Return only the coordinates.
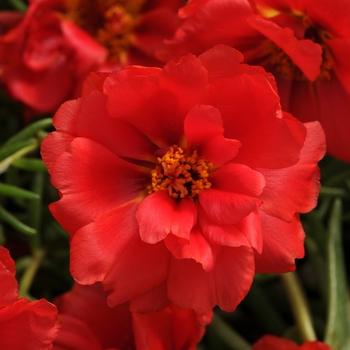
(270, 342)
(305, 44)
(46, 53)
(88, 323)
(180, 183)
(24, 325)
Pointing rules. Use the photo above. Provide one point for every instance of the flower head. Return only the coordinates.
(304, 44)
(270, 342)
(23, 324)
(48, 51)
(88, 323)
(178, 184)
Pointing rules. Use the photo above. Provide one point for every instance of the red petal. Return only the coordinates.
(157, 297)
(235, 188)
(314, 345)
(85, 313)
(53, 146)
(203, 130)
(171, 328)
(139, 96)
(159, 214)
(271, 342)
(295, 189)
(251, 113)
(92, 180)
(116, 135)
(283, 242)
(306, 54)
(75, 334)
(9, 285)
(110, 250)
(208, 23)
(28, 325)
(197, 249)
(189, 286)
(246, 232)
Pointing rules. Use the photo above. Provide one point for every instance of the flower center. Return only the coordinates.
(183, 176)
(107, 21)
(287, 68)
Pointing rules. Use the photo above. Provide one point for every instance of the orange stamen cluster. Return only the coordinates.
(183, 176)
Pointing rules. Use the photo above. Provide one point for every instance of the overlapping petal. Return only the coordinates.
(23, 324)
(297, 41)
(88, 323)
(170, 170)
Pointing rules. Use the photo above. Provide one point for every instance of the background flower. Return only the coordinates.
(88, 323)
(180, 183)
(303, 43)
(270, 342)
(23, 324)
(46, 53)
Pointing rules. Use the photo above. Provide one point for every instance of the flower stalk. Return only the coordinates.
(299, 305)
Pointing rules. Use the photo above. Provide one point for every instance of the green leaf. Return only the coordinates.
(29, 131)
(33, 164)
(9, 149)
(14, 191)
(5, 216)
(337, 333)
(19, 5)
(5, 163)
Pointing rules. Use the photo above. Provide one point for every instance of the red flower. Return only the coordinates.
(88, 323)
(180, 183)
(270, 342)
(47, 53)
(23, 324)
(305, 44)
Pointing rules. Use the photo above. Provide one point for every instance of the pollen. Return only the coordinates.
(180, 174)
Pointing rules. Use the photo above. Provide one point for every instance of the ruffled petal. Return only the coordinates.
(92, 180)
(110, 250)
(28, 325)
(159, 214)
(204, 130)
(251, 112)
(283, 242)
(235, 188)
(306, 54)
(9, 285)
(246, 232)
(226, 285)
(198, 249)
(295, 189)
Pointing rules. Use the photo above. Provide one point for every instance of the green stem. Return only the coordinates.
(35, 210)
(29, 274)
(299, 305)
(228, 335)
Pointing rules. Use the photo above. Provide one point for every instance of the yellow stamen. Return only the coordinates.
(183, 176)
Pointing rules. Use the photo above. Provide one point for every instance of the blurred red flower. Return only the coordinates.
(270, 342)
(305, 44)
(180, 183)
(49, 50)
(88, 323)
(24, 325)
